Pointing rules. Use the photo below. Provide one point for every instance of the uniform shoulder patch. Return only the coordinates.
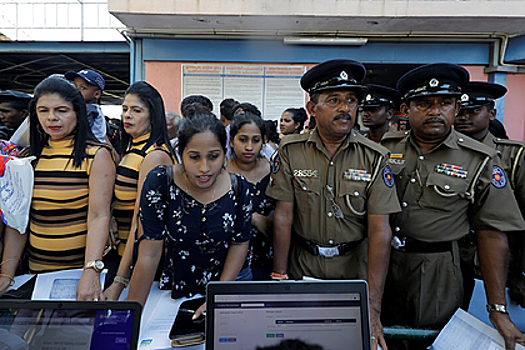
(388, 177)
(376, 147)
(390, 135)
(499, 141)
(499, 179)
(473, 145)
(275, 164)
(293, 138)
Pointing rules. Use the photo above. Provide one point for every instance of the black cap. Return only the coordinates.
(334, 74)
(10, 95)
(377, 96)
(433, 79)
(88, 75)
(480, 93)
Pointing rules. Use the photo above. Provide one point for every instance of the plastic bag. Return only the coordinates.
(21, 135)
(16, 191)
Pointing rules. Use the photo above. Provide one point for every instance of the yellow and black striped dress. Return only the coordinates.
(126, 185)
(59, 209)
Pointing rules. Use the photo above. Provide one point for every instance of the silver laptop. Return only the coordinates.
(69, 325)
(247, 315)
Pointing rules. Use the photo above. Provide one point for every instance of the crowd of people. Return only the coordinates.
(419, 205)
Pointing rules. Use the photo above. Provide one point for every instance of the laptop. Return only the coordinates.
(69, 325)
(247, 315)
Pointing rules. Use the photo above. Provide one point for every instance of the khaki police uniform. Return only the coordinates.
(358, 181)
(458, 186)
(511, 154)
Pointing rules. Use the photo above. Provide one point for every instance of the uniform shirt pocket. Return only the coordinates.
(352, 196)
(307, 191)
(442, 192)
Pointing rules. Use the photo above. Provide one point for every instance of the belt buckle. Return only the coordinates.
(328, 252)
(398, 243)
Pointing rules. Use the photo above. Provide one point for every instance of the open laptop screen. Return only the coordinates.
(332, 314)
(72, 325)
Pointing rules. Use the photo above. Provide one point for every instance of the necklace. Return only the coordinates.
(188, 190)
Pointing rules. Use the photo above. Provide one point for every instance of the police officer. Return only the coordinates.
(377, 110)
(333, 191)
(13, 111)
(477, 111)
(447, 184)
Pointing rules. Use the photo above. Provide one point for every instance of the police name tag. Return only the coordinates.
(396, 159)
(357, 175)
(306, 173)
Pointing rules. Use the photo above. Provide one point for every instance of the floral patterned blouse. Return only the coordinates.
(261, 247)
(196, 236)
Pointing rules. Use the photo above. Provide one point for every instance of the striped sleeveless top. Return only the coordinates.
(59, 208)
(126, 185)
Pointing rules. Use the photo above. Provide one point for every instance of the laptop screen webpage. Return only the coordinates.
(46, 327)
(245, 321)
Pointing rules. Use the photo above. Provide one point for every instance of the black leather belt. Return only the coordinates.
(411, 245)
(327, 251)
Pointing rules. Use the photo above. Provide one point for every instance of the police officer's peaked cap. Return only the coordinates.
(10, 95)
(479, 93)
(433, 79)
(377, 96)
(334, 74)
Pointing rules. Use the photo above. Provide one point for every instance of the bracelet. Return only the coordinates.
(498, 308)
(10, 277)
(13, 259)
(122, 280)
(278, 277)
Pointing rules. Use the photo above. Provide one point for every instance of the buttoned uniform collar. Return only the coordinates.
(316, 139)
(451, 141)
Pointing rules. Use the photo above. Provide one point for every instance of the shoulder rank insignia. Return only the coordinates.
(499, 179)
(357, 175)
(388, 176)
(275, 164)
(452, 170)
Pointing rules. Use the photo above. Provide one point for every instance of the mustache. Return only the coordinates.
(343, 115)
(433, 120)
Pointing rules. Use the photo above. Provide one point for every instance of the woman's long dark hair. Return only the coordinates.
(82, 134)
(299, 117)
(148, 95)
(247, 118)
(200, 123)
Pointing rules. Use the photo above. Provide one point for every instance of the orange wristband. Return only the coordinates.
(278, 276)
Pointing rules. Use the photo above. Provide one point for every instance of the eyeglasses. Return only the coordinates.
(329, 194)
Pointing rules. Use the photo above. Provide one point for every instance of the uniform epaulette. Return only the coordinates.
(394, 135)
(499, 141)
(371, 144)
(294, 138)
(476, 146)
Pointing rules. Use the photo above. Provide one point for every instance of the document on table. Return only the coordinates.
(20, 281)
(59, 285)
(157, 319)
(465, 332)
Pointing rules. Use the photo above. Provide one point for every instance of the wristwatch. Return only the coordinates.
(96, 265)
(498, 308)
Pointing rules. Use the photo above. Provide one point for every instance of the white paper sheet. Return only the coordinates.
(478, 308)
(20, 281)
(465, 332)
(60, 285)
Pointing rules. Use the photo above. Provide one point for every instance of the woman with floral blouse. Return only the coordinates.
(196, 213)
